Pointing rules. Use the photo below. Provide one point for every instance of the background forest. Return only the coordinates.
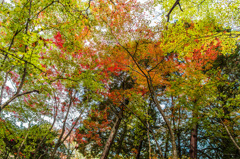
(119, 79)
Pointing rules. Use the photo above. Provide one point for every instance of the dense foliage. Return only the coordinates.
(119, 79)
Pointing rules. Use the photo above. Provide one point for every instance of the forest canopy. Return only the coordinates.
(120, 79)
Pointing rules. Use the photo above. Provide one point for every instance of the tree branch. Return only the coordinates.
(147, 126)
(14, 97)
(45, 8)
(20, 59)
(43, 139)
(170, 11)
(230, 135)
(152, 93)
(64, 125)
(10, 46)
(25, 138)
(4, 84)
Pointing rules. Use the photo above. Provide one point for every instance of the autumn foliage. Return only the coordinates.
(119, 79)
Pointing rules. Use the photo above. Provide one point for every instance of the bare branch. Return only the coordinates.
(10, 46)
(59, 142)
(72, 127)
(20, 59)
(45, 8)
(170, 11)
(4, 84)
(230, 135)
(14, 97)
(44, 138)
(180, 7)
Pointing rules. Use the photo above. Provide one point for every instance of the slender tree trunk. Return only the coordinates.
(25, 138)
(166, 119)
(139, 149)
(179, 134)
(226, 114)
(61, 138)
(173, 118)
(193, 139)
(121, 140)
(149, 144)
(6, 153)
(179, 144)
(166, 147)
(150, 130)
(44, 138)
(20, 147)
(111, 138)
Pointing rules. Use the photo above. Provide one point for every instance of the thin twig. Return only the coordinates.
(15, 56)
(14, 97)
(4, 84)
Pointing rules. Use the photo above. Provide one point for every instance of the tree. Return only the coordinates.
(23, 47)
(86, 67)
(20, 142)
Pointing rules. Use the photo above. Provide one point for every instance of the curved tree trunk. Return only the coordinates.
(166, 119)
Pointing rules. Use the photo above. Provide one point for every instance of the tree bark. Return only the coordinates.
(193, 139)
(193, 143)
(111, 138)
(179, 134)
(179, 144)
(121, 140)
(149, 144)
(139, 149)
(166, 119)
(166, 147)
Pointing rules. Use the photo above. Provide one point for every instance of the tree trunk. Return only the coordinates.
(193, 139)
(111, 138)
(179, 134)
(166, 147)
(139, 149)
(166, 119)
(193, 143)
(121, 140)
(179, 144)
(155, 100)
